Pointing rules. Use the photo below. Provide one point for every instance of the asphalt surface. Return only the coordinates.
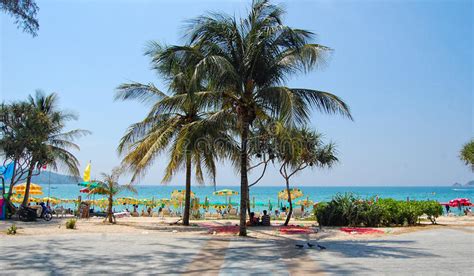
(430, 252)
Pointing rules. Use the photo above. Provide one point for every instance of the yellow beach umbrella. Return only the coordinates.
(305, 202)
(68, 200)
(149, 202)
(180, 194)
(227, 193)
(35, 189)
(35, 200)
(102, 202)
(16, 199)
(295, 193)
(52, 200)
(219, 206)
(127, 200)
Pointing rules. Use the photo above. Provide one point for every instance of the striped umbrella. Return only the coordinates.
(35, 189)
(227, 193)
(295, 193)
(127, 200)
(305, 202)
(180, 194)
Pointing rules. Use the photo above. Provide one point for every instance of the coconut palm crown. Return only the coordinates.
(54, 144)
(109, 187)
(171, 126)
(248, 61)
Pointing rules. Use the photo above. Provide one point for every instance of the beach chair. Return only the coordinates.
(233, 212)
(297, 213)
(59, 211)
(166, 212)
(216, 216)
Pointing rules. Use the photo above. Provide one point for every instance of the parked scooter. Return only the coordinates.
(30, 214)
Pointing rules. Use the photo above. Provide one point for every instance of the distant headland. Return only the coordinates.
(55, 178)
(469, 184)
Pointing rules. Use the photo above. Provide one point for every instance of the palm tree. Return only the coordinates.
(51, 145)
(171, 124)
(467, 154)
(109, 187)
(247, 61)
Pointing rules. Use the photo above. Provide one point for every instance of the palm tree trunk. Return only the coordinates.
(187, 199)
(248, 202)
(27, 188)
(110, 214)
(244, 185)
(289, 201)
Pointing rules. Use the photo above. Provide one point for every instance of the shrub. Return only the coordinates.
(71, 224)
(432, 209)
(12, 230)
(348, 210)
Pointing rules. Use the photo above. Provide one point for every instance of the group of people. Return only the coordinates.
(466, 211)
(256, 221)
(145, 213)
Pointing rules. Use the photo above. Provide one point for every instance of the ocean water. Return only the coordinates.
(261, 195)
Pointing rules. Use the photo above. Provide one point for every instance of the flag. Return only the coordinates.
(87, 173)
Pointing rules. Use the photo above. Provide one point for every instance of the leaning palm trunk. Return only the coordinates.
(288, 216)
(187, 199)
(244, 189)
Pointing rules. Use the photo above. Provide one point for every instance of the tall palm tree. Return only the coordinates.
(247, 61)
(171, 125)
(52, 145)
(110, 187)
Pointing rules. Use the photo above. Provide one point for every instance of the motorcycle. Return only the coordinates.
(30, 214)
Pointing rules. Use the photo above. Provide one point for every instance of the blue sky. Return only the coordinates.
(404, 67)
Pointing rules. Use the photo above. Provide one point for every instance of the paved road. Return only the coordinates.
(431, 252)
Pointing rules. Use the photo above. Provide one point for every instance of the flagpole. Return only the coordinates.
(49, 184)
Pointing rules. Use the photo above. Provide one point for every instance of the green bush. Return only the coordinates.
(432, 209)
(71, 224)
(348, 210)
(12, 230)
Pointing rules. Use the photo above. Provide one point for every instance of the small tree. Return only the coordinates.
(298, 149)
(109, 187)
(21, 129)
(467, 154)
(261, 149)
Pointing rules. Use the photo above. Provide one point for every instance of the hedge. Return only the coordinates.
(349, 210)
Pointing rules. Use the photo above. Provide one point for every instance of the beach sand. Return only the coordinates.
(205, 227)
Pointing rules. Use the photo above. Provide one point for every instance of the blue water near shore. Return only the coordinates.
(264, 194)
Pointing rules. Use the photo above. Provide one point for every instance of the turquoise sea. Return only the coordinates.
(263, 194)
